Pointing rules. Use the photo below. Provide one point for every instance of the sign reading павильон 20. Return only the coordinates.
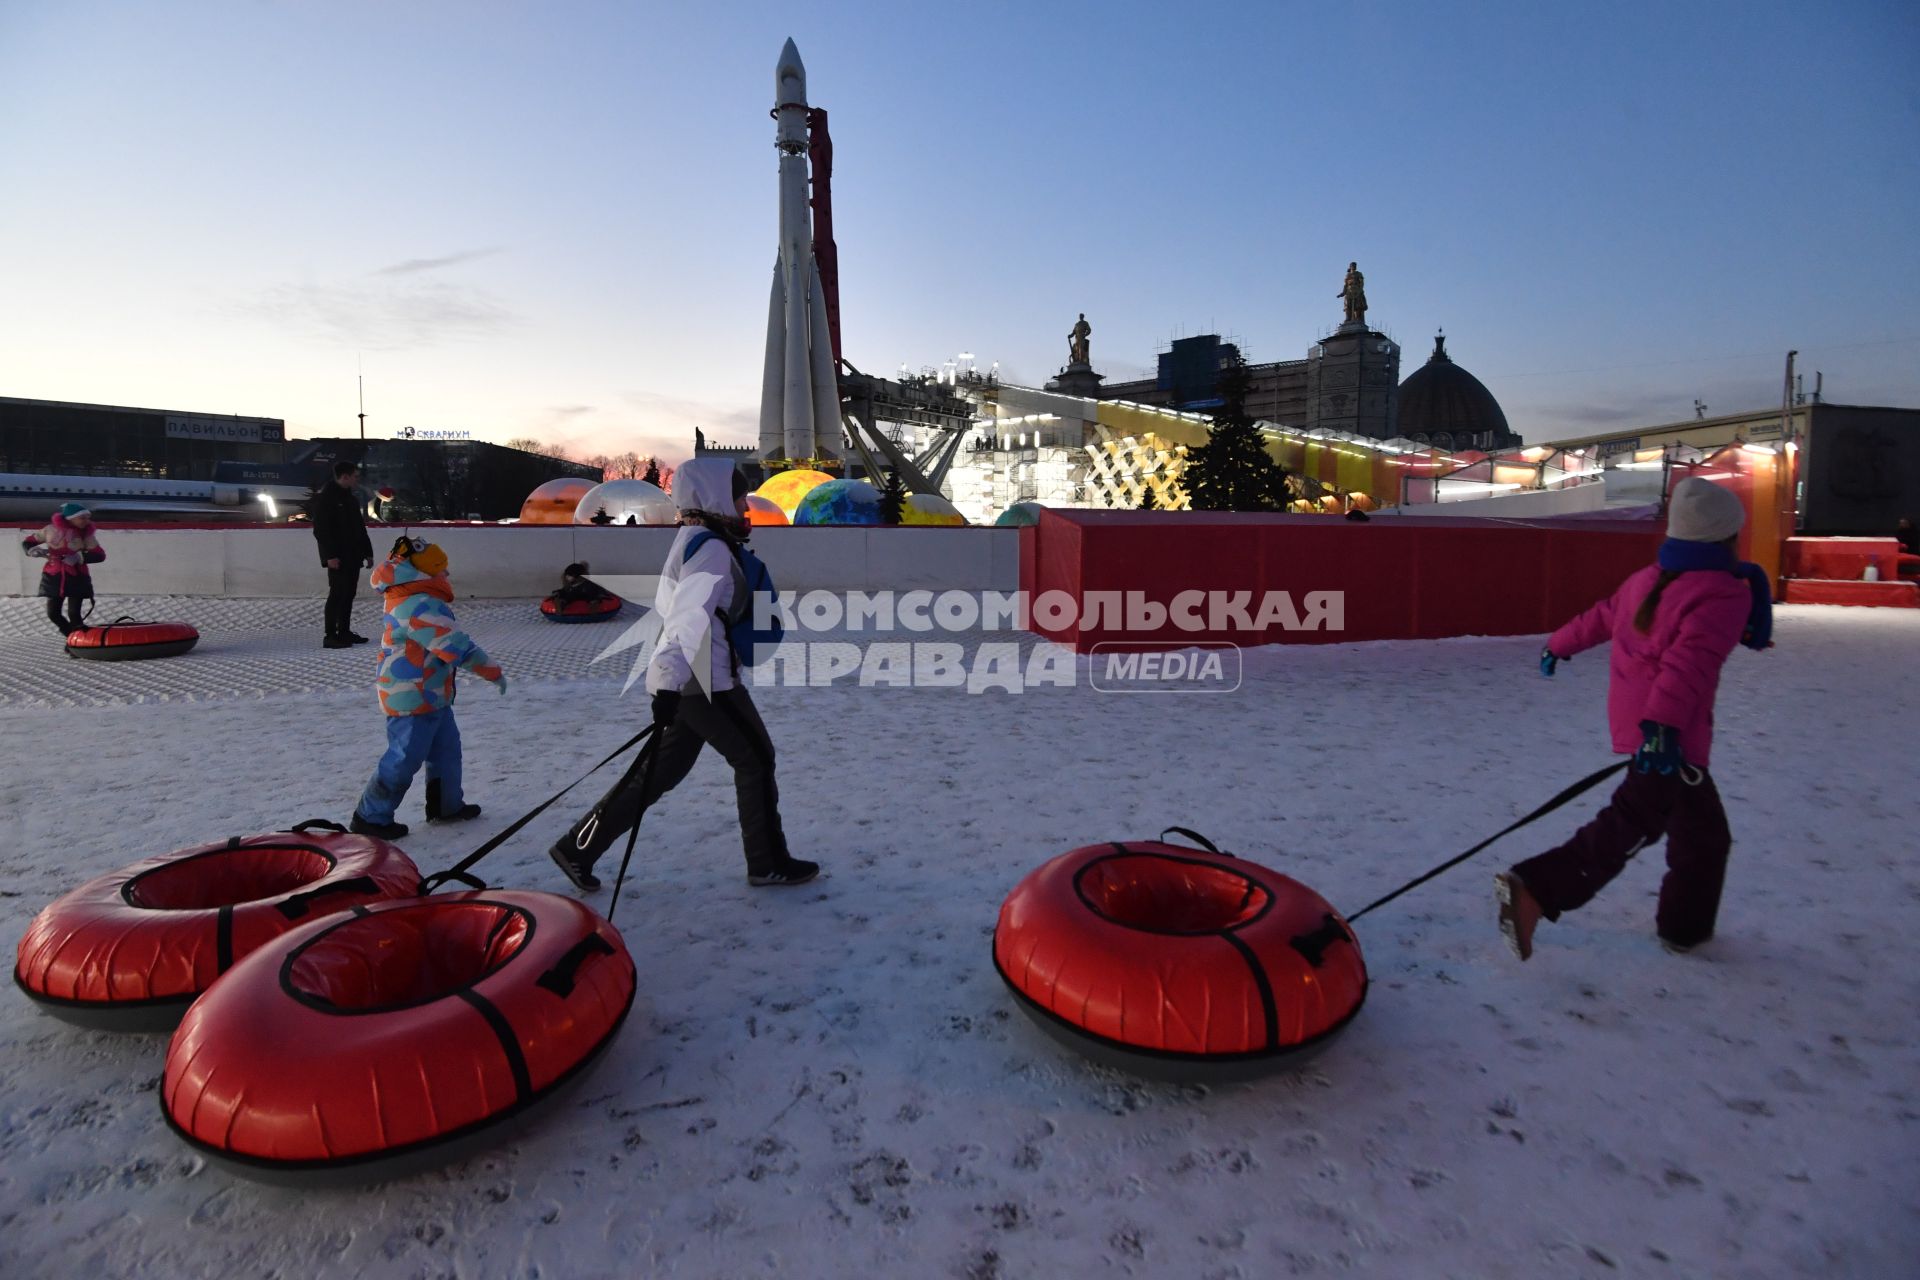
(224, 429)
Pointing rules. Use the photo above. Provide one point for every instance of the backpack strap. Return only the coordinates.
(694, 543)
(705, 536)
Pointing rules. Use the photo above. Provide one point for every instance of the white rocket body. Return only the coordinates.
(799, 392)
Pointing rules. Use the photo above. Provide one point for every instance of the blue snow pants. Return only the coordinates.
(432, 739)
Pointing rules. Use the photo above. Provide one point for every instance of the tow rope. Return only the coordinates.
(460, 871)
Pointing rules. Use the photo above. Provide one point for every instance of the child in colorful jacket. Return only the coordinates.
(69, 547)
(420, 646)
(1673, 626)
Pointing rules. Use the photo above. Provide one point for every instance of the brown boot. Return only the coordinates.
(1519, 912)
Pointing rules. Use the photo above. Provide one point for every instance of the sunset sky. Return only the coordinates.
(559, 220)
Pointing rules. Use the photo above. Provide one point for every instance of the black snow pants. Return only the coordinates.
(342, 583)
(730, 724)
(1685, 808)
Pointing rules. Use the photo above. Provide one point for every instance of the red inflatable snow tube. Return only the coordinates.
(580, 610)
(399, 1036)
(125, 640)
(130, 951)
(1178, 963)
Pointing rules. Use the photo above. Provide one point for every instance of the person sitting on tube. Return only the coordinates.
(576, 588)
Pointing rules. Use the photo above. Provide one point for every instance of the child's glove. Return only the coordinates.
(1659, 748)
(34, 550)
(500, 683)
(1548, 660)
(666, 706)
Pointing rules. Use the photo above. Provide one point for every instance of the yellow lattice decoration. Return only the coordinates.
(1124, 468)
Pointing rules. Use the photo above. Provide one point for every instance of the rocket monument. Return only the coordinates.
(799, 389)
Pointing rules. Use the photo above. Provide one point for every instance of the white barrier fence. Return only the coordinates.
(517, 561)
(1575, 500)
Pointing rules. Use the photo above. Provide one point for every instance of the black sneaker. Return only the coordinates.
(379, 830)
(354, 637)
(567, 860)
(792, 871)
(336, 642)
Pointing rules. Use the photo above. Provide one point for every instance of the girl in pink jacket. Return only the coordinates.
(68, 546)
(1673, 625)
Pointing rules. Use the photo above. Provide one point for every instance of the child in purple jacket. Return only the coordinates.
(1673, 625)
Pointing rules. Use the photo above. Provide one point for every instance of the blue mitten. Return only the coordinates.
(1548, 660)
(1659, 748)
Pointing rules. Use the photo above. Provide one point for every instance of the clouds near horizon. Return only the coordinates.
(560, 222)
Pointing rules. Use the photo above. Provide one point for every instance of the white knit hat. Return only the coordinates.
(1701, 511)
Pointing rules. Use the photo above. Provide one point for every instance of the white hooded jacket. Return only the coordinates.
(693, 589)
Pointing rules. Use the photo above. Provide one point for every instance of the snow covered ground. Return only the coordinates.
(832, 1081)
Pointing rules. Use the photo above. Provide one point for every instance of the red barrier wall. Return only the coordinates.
(1844, 558)
(1889, 594)
(1402, 577)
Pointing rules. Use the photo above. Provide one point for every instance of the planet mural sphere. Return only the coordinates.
(839, 502)
(787, 488)
(930, 509)
(1020, 513)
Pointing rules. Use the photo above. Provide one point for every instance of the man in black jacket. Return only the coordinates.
(345, 550)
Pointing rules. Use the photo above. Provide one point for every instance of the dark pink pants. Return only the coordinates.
(1645, 807)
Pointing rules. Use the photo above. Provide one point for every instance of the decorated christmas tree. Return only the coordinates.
(1232, 471)
(893, 499)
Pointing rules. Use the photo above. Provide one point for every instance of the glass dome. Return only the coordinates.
(626, 502)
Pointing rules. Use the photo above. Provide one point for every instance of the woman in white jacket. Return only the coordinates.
(704, 597)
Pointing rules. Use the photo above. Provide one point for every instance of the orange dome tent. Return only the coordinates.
(764, 511)
(554, 501)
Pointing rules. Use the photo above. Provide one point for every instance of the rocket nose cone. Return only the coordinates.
(789, 76)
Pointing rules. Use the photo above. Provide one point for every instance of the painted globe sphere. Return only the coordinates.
(1020, 513)
(787, 488)
(840, 502)
(930, 509)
